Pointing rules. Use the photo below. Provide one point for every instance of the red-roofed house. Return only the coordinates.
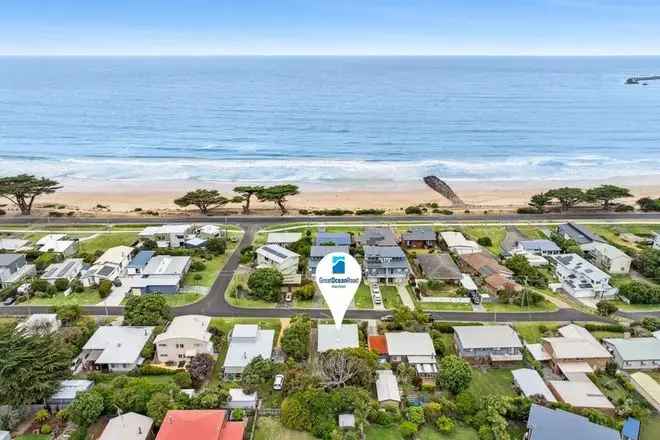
(378, 344)
(199, 425)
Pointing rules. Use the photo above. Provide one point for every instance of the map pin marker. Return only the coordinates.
(338, 276)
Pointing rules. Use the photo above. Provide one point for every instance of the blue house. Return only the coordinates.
(630, 429)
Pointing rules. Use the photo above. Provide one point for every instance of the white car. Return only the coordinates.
(279, 382)
(377, 298)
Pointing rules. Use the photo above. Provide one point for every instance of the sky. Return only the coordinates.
(330, 27)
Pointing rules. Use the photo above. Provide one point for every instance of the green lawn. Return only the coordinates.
(89, 296)
(492, 381)
(447, 307)
(270, 428)
(34, 437)
(531, 333)
(183, 298)
(106, 241)
(391, 297)
(377, 432)
(363, 297)
(611, 233)
(496, 234)
(650, 428)
(544, 306)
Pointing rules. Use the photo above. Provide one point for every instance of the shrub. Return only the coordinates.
(41, 416)
(407, 429)
(77, 286)
(485, 241)
(616, 328)
(216, 246)
(606, 308)
(197, 266)
(332, 212)
(155, 370)
(639, 292)
(415, 414)
(624, 208)
(305, 292)
(370, 212)
(528, 210)
(265, 283)
(444, 424)
(182, 379)
(61, 284)
(46, 429)
(432, 411)
(413, 210)
(238, 414)
(105, 287)
(39, 285)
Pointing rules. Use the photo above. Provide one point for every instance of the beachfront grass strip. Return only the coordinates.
(88, 297)
(391, 298)
(544, 306)
(495, 233)
(363, 298)
(534, 232)
(104, 242)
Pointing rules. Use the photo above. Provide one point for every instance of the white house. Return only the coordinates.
(246, 342)
(162, 274)
(278, 257)
(457, 243)
(635, 353)
(115, 348)
(210, 231)
(387, 387)
(13, 268)
(539, 247)
(14, 244)
(165, 236)
(185, 337)
(67, 392)
(608, 257)
(109, 266)
(41, 323)
(487, 343)
(656, 240)
(57, 243)
(580, 394)
(329, 338)
(530, 383)
(129, 426)
(582, 279)
(240, 399)
(283, 238)
(67, 269)
(414, 348)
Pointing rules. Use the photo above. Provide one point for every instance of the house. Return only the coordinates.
(387, 388)
(14, 244)
(68, 269)
(185, 337)
(656, 240)
(578, 233)
(635, 353)
(162, 274)
(129, 426)
(438, 267)
(534, 260)
(329, 338)
(109, 266)
(377, 237)
(647, 387)
(210, 231)
(385, 264)
(458, 244)
(553, 424)
(208, 424)
(487, 344)
(581, 279)
(278, 257)
(168, 236)
(40, 323)
(483, 265)
(630, 430)
(415, 349)
(115, 348)
(67, 392)
(468, 284)
(607, 257)
(239, 399)
(580, 394)
(246, 342)
(57, 243)
(333, 239)
(530, 383)
(539, 247)
(316, 254)
(139, 262)
(283, 239)
(495, 283)
(420, 237)
(346, 421)
(378, 344)
(195, 242)
(13, 268)
(576, 352)
(161, 265)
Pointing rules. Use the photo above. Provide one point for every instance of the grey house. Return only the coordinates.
(581, 234)
(438, 267)
(13, 267)
(385, 264)
(336, 238)
(420, 237)
(378, 237)
(487, 344)
(539, 247)
(317, 253)
(552, 424)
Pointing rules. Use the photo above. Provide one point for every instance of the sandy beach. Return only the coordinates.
(159, 195)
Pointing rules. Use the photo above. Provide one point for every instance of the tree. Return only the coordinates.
(306, 292)
(278, 195)
(158, 406)
(444, 424)
(606, 194)
(338, 368)
(31, 366)
(23, 189)
(539, 201)
(203, 199)
(105, 287)
(606, 308)
(200, 367)
(649, 204)
(69, 314)
(266, 283)
(295, 339)
(217, 246)
(485, 241)
(247, 192)
(210, 398)
(258, 372)
(61, 284)
(455, 374)
(568, 197)
(86, 408)
(146, 310)
(415, 414)
(182, 379)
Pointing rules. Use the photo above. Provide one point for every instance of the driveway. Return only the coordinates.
(405, 296)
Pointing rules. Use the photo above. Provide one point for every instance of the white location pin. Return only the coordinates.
(338, 276)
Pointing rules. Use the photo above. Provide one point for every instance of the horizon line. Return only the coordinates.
(406, 55)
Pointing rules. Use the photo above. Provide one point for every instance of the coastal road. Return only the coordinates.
(214, 303)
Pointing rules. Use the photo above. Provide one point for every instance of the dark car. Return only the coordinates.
(9, 301)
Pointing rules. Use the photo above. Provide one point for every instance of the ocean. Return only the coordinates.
(328, 119)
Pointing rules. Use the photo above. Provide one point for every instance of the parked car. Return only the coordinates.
(9, 301)
(279, 382)
(475, 297)
(288, 297)
(378, 299)
(387, 318)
